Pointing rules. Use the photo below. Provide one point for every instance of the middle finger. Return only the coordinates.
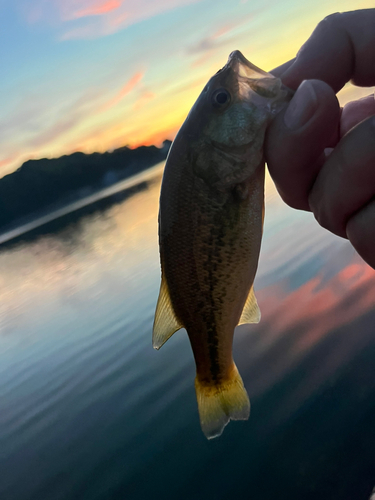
(346, 182)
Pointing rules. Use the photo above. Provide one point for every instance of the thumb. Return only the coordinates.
(296, 140)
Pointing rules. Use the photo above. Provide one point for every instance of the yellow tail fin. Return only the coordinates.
(217, 404)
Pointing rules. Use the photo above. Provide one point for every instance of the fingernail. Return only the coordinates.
(302, 107)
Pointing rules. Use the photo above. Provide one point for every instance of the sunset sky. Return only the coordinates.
(93, 75)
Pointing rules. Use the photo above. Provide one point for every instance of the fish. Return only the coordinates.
(210, 229)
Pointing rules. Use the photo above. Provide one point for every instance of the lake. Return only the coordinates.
(89, 411)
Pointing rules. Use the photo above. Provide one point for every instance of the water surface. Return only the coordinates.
(89, 411)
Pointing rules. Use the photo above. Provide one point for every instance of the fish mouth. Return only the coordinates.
(244, 68)
(251, 77)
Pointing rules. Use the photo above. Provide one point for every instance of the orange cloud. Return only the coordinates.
(98, 9)
(143, 99)
(126, 89)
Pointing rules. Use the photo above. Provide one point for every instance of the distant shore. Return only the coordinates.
(40, 219)
(48, 185)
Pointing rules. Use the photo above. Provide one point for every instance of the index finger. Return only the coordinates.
(280, 70)
(341, 48)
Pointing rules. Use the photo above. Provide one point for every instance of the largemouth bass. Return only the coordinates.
(210, 230)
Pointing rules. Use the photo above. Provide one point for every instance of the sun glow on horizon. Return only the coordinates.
(93, 75)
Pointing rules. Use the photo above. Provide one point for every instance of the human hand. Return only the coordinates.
(338, 188)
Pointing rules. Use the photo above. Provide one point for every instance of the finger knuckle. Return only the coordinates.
(320, 215)
(320, 207)
(331, 21)
(296, 200)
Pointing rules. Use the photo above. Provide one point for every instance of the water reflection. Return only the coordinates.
(88, 410)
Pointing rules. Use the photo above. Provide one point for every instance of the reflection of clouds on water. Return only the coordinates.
(314, 330)
(317, 301)
(336, 303)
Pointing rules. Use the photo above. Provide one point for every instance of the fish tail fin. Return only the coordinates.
(217, 404)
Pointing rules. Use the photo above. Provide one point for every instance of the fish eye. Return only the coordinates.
(220, 97)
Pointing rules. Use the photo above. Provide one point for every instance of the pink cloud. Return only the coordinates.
(7, 161)
(126, 89)
(129, 86)
(111, 15)
(98, 9)
(89, 19)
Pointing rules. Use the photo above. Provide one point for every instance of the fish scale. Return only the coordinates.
(210, 230)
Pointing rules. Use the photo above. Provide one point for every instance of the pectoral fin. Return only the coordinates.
(251, 311)
(165, 322)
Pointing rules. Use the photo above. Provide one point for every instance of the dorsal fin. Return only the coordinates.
(165, 322)
(251, 311)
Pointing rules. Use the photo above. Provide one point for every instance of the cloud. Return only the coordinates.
(26, 116)
(89, 19)
(143, 99)
(213, 41)
(126, 89)
(7, 161)
(56, 130)
(44, 123)
(206, 47)
(34, 112)
(37, 122)
(68, 117)
(223, 36)
(97, 9)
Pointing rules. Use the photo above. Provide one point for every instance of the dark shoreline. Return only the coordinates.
(61, 216)
(47, 185)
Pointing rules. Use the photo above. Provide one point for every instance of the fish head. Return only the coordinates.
(227, 124)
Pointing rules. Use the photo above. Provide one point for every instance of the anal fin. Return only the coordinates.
(165, 322)
(251, 311)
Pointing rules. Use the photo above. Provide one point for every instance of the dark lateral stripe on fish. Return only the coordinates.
(216, 234)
